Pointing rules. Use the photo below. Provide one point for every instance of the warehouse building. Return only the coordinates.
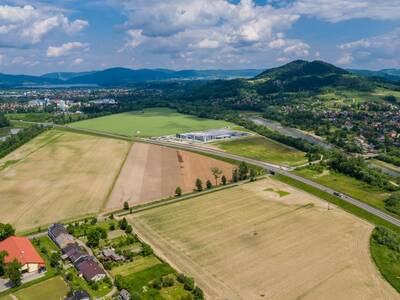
(211, 135)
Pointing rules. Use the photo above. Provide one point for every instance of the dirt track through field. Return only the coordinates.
(153, 172)
(250, 243)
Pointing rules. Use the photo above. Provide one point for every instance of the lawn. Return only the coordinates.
(150, 122)
(229, 240)
(51, 289)
(56, 176)
(347, 185)
(264, 149)
(139, 264)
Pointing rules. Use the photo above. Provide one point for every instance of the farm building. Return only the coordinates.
(21, 249)
(59, 234)
(211, 135)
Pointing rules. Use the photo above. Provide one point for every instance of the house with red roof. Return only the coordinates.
(21, 249)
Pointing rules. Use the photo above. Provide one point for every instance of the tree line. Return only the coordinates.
(15, 141)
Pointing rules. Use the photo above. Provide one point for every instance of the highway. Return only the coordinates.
(267, 166)
(283, 171)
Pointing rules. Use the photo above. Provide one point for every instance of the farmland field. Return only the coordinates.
(153, 122)
(56, 176)
(249, 243)
(153, 172)
(51, 289)
(260, 148)
(348, 185)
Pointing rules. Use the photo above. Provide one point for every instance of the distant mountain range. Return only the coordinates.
(121, 76)
(295, 75)
(390, 74)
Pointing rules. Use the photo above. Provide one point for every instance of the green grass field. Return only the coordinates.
(52, 289)
(153, 122)
(139, 264)
(387, 261)
(260, 148)
(347, 185)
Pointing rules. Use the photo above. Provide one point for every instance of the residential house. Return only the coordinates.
(79, 295)
(110, 254)
(124, 295)
(91, 270)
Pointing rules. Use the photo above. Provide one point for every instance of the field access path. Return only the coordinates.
(267, 166)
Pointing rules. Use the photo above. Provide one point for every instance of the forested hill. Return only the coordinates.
(296, 76)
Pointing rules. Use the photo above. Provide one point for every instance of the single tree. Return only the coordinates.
(93, 238)
(123, 224)
(223, 180)
(216, 173)
(55, 259)
(178, 191)
(243, 171)
(252, 175)
(6, 230)
(235, 175)
(126, 205)
(199, 185)
(13, 272)
(209, 184)
(3, 254)
(128, 229)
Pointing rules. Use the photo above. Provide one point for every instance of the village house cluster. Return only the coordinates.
(76, 253)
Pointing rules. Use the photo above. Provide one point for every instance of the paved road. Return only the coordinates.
(267, 166)
(281, 170)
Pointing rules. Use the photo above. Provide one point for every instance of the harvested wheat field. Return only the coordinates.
(264, 240)
(153, 172)
(56, 176)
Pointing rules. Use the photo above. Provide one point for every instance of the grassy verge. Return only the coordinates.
(338, 202)
(357, 189)
(385, 260)
(385, 251)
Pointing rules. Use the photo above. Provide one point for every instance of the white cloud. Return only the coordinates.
(2, 59)
(77, 61)
(341, 10)
(345, 60)
(385, 47)
(66, 49)
(207, 44)
(297, 49)
(22, 26)
(209, 29)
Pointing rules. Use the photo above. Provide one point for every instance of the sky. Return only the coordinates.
(37, 37)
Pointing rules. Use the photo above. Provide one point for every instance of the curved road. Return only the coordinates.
(266, 166)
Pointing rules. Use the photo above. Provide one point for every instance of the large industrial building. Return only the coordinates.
(211, 135)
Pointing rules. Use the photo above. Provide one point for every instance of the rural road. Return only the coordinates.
(267, 166)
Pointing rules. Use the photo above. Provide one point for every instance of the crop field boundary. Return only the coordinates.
(107, 198)
(164, 202)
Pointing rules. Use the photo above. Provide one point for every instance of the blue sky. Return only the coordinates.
(46, 36)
